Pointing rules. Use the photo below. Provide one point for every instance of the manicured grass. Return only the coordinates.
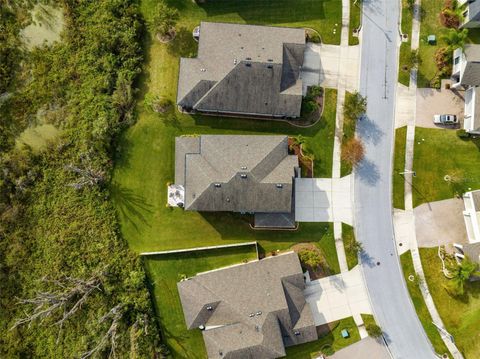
(355, 20)
(404, 65)
(333, 339)
(327, 246)
(438, 153)
(420, 306)
(405, 47)
(348, 238)
(164, 272)
(348, 133)
(368, 319)
(321, 15)
(430, 25)
(399, 166)
(461, 315)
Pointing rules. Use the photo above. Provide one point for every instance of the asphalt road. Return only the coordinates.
(393, 308)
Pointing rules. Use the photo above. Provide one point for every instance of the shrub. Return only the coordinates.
(463, 134)
(355, 106)
(308, 106)
(164, 18)
(313, 36)
(373, 330)
(353, 152)
(310, 258)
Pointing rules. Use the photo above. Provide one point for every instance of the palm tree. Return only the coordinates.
(461, 273)
(456, 38)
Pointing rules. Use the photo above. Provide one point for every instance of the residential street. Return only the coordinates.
(389, 297)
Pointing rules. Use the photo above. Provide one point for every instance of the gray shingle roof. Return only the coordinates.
(244, 69)
(472, 251)
(471, 72)
(273, 287)
(235, 173)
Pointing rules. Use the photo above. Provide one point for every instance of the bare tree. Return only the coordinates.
(87, 176)
(69, 296)
(115, 315)
(353, 152)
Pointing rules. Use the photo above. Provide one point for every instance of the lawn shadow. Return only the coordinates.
(130, 206)
(141, 81)
(368, 173)
(266, 12)
(183, 45)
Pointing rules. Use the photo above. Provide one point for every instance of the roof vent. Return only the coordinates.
(270, 60)
(218, 185)
(248, 64)
(234, 61)
(279, 185)
(249, 58)
(270, 66)
(228, 199)
(201, 327)
(203, 70)
(296, 332)
(258, 313)
(209, 307)
(257, 328)
(243, 175)
(251, 315)
(244, 168)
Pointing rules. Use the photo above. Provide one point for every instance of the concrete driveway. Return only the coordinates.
(367, 348)
(321, 66)
(323, 200)
(431, 102)
(337, 297)
(440, 223)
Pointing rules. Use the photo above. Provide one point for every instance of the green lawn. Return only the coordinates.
(355, 21)
(461, 315)
(438, 153)
(348, 238)
(321, 15)
(405, 47)
(348, 133)
(420, 306)
(164, 272)
(430, 25)
(399, 166)
(333, 340)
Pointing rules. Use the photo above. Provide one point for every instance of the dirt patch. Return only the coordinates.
(47, 24)
(318, 272)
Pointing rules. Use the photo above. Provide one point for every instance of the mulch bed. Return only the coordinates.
(318, 272)
(305, 163)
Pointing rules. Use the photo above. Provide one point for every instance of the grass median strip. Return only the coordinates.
(405, 47)
(355, 21)
(419, 304)
(349, 241)
(398, 167)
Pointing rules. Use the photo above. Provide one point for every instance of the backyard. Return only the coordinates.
(398, 167)
(461, 315)
(164, 272)
(420, 306)
(445, 165)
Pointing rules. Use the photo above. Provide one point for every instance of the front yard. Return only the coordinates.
(461, 315)
(439, 153)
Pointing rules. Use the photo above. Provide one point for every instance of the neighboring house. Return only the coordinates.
(471, 13)
(472, 222)
(244, 70)
(245, 174)
(251, 310)
(466, 75)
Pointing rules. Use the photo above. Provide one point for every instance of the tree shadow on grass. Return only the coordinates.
(130, 206)
(183, 45)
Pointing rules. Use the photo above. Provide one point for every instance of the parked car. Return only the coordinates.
(445, 119)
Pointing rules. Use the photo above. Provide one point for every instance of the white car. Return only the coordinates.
(445, 119)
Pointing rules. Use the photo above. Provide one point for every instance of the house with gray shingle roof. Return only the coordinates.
(251, 310)
(244, 70)
(470, 13)
(471, 215)
(466, 75)
(246, 174)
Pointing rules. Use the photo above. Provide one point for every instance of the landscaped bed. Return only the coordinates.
(405, 47)
(446, 166)
(399, 168)
(461, 314)
(419, 304)
(349, 241)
